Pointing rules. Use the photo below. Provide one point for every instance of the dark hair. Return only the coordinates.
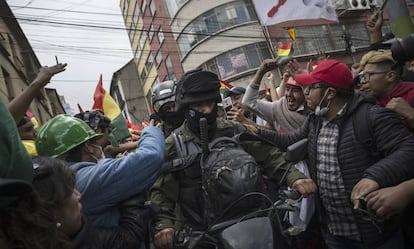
(24, 225)
(54, 180)
(74, 155)
(24, 121)
(95, 119)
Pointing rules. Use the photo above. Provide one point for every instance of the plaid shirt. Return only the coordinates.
(335, 200)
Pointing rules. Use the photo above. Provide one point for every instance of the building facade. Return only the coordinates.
(19, 66)
(226, 37)
(155, 50)
(219, 36)
(129, 94)
(347, 40)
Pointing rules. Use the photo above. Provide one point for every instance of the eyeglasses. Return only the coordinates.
(366, 76)
(307, 89)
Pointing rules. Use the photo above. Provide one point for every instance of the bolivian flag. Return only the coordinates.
(224, 86)
(292, 34)
(285, 49)
(110, 108)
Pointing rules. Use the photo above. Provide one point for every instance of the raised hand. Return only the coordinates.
(46, 73)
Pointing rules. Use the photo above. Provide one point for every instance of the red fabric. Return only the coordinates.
(285, 45)
(80, 108)
(267, 91)
(29, 114)
(404, 90)
(275, 8)
(145, 122)
(292, 81)
(133, 126)
(333, 72)
(226, 84)
(99, 95)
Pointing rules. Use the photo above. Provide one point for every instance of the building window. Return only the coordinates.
(211, 66)
(137, 54)
(149, 62)
(9, 84)
(152, 7)
(238, 60)
(143, 6)
(142, 40)
(170, 69)
(160, 36)
(132, 32)
(125, 10)
(148, 97)
(136, 14)
(143, 74)
(213, 21)
(158, 58)
(232, 62)
(151, 32)
(358, 32)
(313, 39)
(173, 6)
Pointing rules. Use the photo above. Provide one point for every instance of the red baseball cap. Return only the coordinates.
(332, 72)
(291, 81)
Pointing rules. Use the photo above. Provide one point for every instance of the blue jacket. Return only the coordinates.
(105, 184)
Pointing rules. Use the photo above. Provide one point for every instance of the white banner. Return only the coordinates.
(277, 11)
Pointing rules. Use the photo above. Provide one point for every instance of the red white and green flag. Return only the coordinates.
(105, 102)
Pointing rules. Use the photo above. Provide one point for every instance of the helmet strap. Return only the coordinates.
(91, 154)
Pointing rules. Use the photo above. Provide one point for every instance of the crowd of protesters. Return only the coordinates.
(66, 187)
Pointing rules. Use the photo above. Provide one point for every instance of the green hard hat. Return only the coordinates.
(61, 134)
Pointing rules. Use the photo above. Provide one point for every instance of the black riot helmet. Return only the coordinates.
(197, 86)
(163, 93)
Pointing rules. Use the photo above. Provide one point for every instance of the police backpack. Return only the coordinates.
(229, 174)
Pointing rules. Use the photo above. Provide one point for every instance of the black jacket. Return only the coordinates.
(390, 165)
(130, 233)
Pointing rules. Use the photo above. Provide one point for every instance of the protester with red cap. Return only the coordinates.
(287, 113)
(344, 167)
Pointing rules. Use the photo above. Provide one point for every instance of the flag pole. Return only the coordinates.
(264, 30)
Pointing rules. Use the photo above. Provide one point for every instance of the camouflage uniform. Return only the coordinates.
(184, 186)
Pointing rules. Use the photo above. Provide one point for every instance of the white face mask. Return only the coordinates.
(102, 154)
(324, 110)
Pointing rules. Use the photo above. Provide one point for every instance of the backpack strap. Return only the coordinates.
(180, 147)
(187, 153)
(178, 164)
